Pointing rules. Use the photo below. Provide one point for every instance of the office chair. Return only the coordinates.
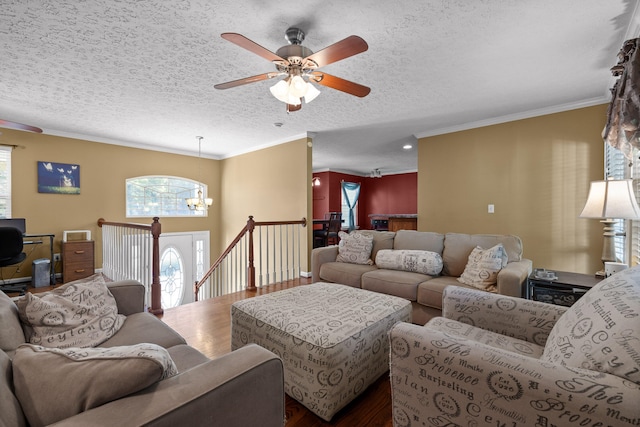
(11, 245)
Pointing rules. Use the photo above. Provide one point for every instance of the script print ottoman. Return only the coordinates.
(332, 339)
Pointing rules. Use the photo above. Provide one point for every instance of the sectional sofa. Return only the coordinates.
(121, 382)
(423, 290)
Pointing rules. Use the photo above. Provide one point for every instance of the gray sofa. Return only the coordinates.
(424, 291)
(205, 392)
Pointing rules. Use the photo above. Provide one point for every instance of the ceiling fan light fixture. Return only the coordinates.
(312, 93)
(280, 90)
(297, 87)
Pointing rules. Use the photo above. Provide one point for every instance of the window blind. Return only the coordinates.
(616, 168)
(5, 182)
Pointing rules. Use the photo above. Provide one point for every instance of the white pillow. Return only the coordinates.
(483, 267)
(355, 248)
(425, 262)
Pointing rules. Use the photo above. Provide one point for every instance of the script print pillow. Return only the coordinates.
(416, 261)
(355, 248)
(601, 331)
(483, 267)
(77, 314)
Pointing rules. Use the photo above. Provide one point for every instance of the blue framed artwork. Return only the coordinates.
(58, 178)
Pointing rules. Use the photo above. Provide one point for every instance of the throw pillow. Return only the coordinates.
(53, 384)
(425, 262)
(77, 314)
(601, 331)
(483, 267)
(355, 248)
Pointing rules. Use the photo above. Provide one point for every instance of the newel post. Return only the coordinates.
(156, 290)
(251, 270)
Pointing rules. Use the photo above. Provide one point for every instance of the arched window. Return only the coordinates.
(164, 196)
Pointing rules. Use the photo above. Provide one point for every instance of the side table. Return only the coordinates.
(77, 260)
(563, 289)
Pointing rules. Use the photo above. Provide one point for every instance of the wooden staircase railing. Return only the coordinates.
(246, 235)
(116, 248)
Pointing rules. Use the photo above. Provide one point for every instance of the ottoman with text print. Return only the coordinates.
(332, 339)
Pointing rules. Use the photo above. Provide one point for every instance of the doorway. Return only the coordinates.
(184, 258)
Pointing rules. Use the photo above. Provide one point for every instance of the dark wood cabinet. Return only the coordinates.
(563, 288)
(77, 260)
(402, 223)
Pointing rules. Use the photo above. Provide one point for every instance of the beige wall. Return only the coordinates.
(272, 184)
(103, 171)
(535, 171)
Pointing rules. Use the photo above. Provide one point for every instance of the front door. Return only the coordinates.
(184, 257)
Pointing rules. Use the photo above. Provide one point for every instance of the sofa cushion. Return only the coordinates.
(493, 339)
(186, 357)
(381, 240)
(10, 410)
(355, 248)
(483, 266)
(53, 384)
(457, 248)
(73, 315)
(11, 335)
(344, 273)
(402, 284)
(144, 327)
(419, 240)
(601, 331)
(430, 292)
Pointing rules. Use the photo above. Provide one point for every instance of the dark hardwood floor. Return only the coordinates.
(206, 325)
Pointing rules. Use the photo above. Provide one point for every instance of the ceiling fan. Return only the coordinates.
(13, 125)
(300, 66)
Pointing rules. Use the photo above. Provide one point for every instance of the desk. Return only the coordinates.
(323, 222)
(52, 274)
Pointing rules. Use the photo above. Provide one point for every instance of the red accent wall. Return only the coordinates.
(391, 194)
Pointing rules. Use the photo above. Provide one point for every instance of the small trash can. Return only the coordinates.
(40, 272)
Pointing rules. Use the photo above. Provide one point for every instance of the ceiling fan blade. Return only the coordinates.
(19, 126)
(291, 107)
(245, 81)
(350, 46)
(340, 84)
(252, 46)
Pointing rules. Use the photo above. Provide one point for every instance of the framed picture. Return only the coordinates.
(58, 178)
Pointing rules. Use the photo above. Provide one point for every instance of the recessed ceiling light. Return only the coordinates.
(278, 124)
(407, 146)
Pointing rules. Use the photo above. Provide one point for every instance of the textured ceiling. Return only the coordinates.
(141, 73)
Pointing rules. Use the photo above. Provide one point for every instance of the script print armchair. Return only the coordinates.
(506, 361)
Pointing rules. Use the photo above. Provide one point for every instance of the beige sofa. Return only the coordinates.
(424, 291)
(204, 392)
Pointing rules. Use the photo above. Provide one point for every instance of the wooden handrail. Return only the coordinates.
(251, 271)
(155, 229)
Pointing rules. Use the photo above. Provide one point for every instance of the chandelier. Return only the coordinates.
(199, 203)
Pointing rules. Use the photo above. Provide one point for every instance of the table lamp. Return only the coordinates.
(609, 200)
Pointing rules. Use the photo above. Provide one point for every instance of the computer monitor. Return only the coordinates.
(18, 223)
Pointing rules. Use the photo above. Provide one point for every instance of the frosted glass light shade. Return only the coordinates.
(292, 89)
(611, 199)
(311, 94)
(297, 87)
(280, 91)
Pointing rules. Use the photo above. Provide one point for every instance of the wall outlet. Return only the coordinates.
(491, 208)
(56, 257)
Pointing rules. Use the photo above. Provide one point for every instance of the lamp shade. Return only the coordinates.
(611, 199)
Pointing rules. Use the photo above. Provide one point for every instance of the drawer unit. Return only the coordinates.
(77, 260)
(563, 289)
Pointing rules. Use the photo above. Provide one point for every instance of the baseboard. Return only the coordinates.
(305, 274)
